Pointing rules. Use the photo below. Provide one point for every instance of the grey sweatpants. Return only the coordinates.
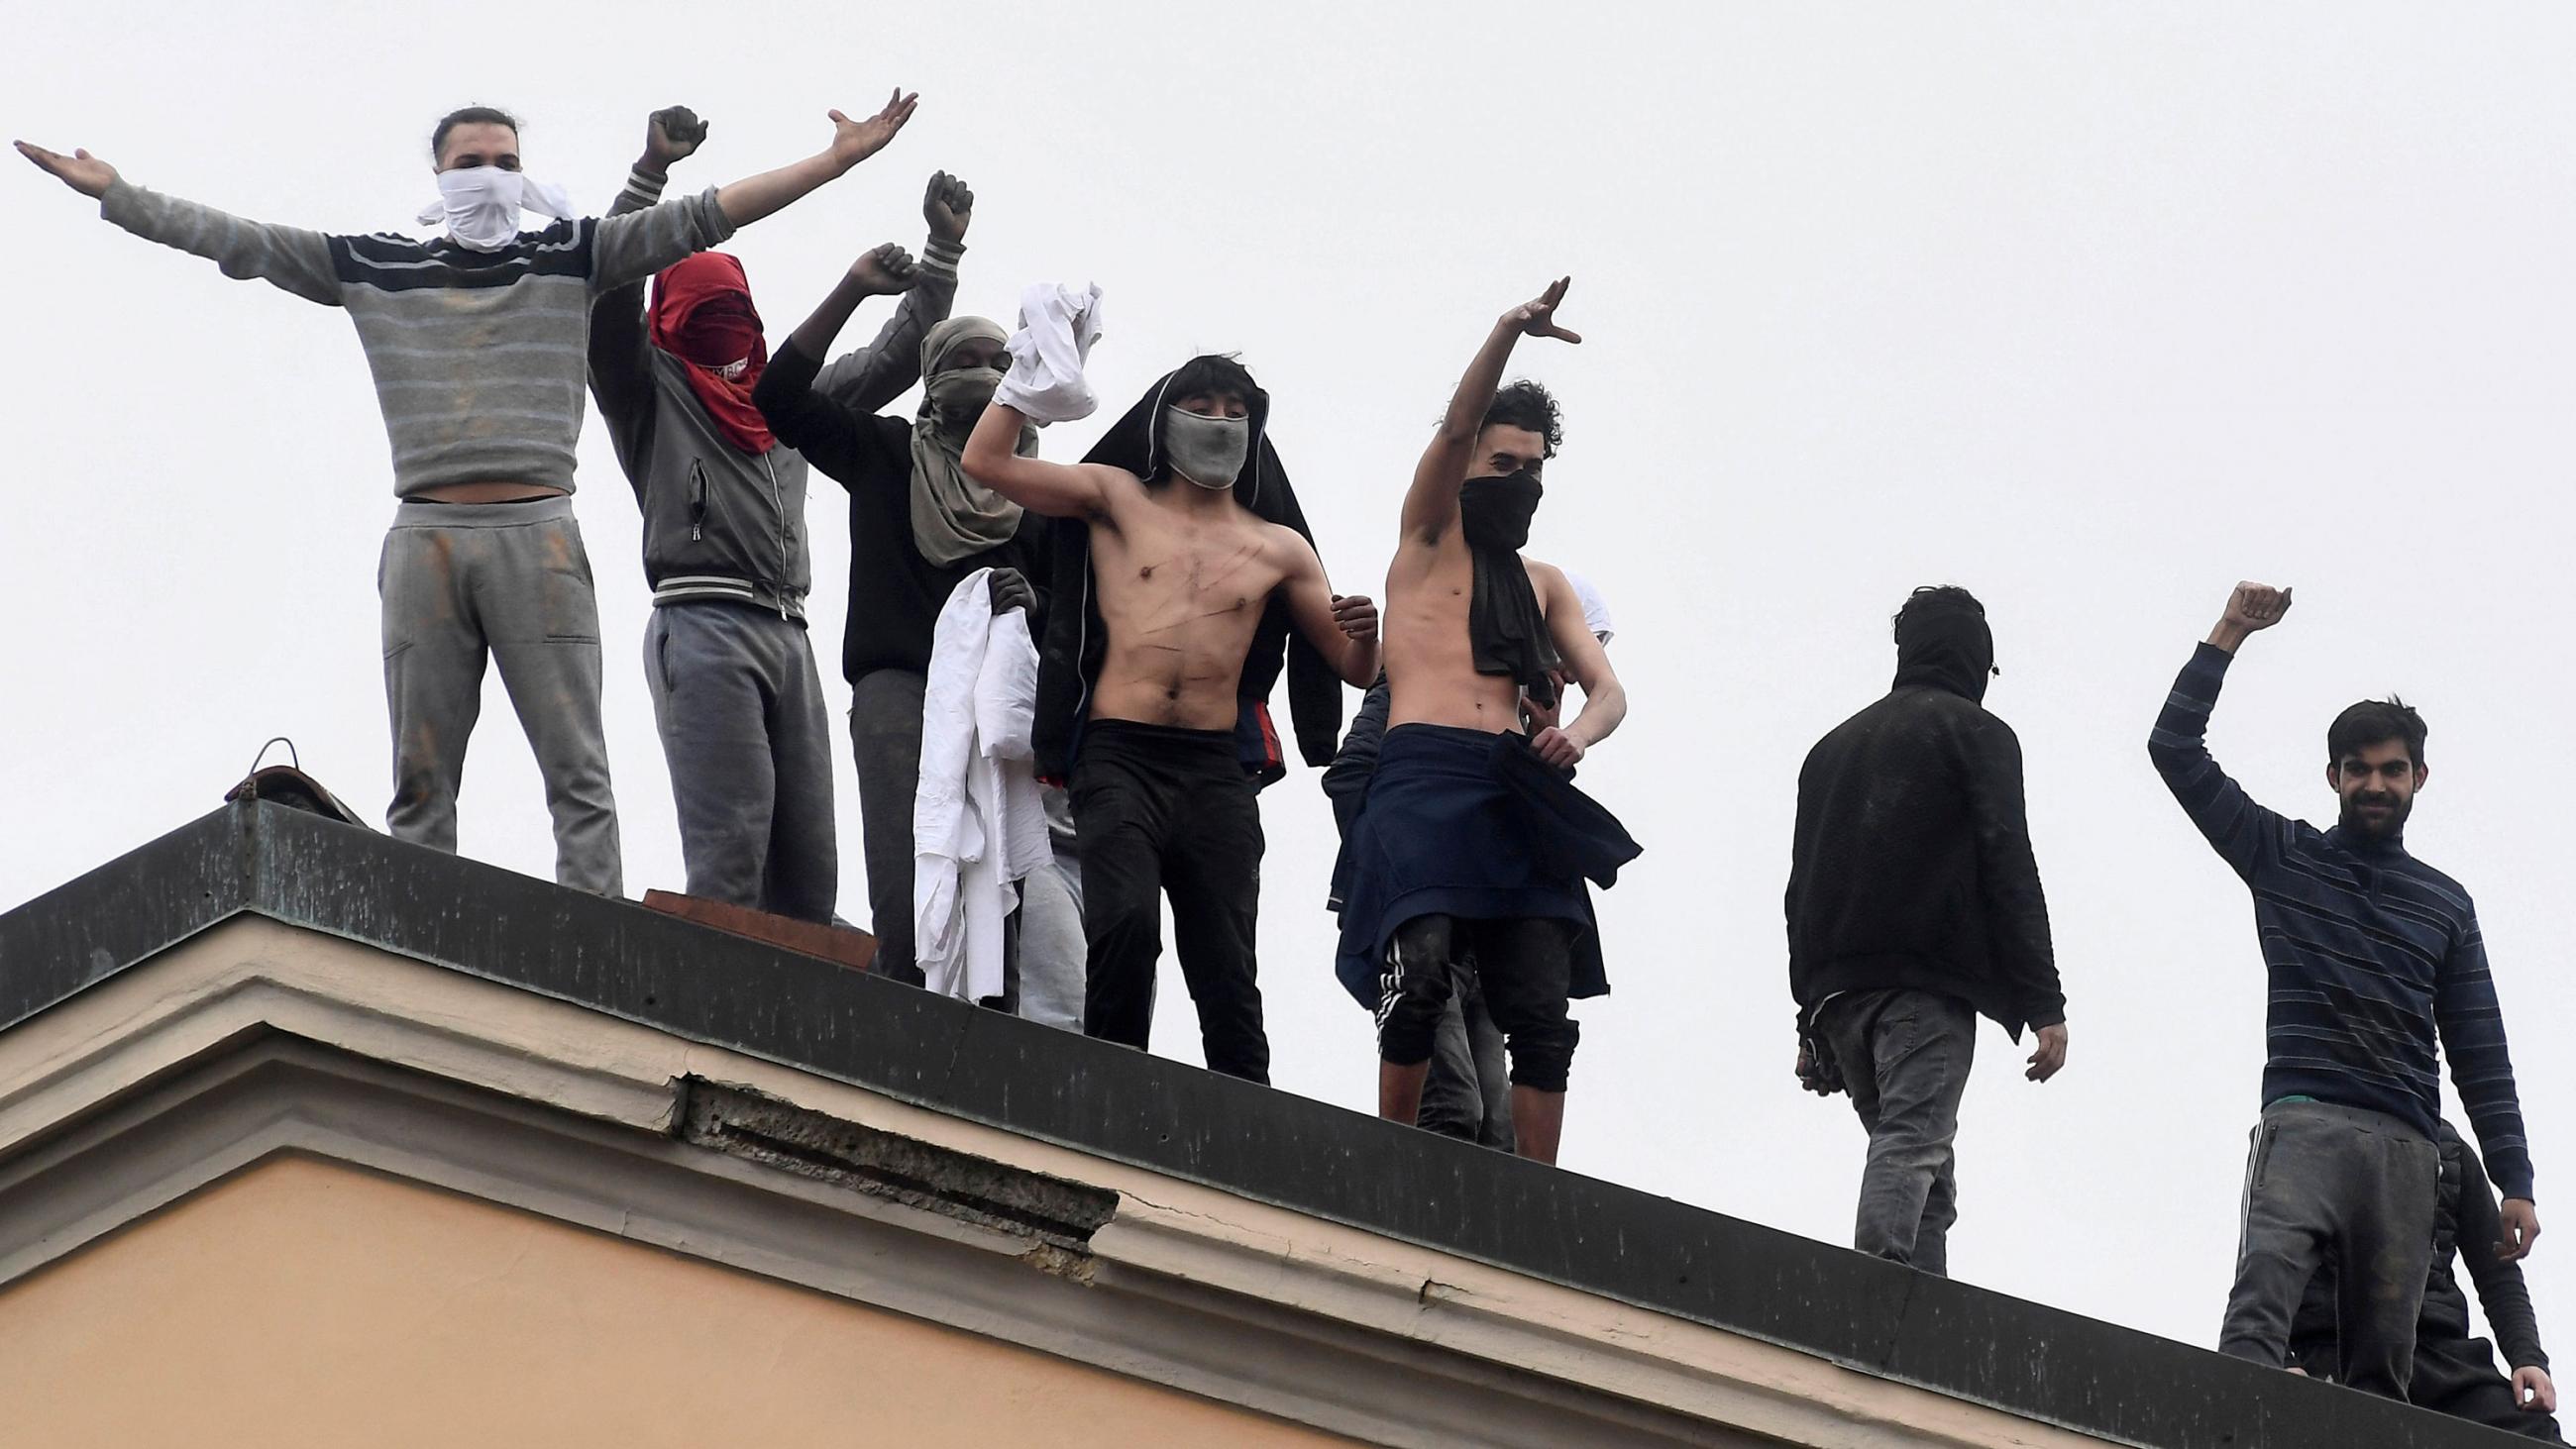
(2322, 1178)
(1904, 1057)
(461, 581)
(740, 710)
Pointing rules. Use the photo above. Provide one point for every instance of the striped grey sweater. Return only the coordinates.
(478, 357)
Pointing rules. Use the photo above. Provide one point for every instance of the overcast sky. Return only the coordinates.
(2092, 309)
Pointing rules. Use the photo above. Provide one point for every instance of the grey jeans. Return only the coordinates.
(1904, 1056)
(885, 737)
(2322, 1178)
(461, 582)
(740, 711)
(1468, 1092)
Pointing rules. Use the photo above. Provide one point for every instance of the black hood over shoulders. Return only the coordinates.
(1912, 866)
(1947, 647)
(1070, 653)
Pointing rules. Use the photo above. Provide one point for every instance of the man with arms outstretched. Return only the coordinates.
(2373, 955)
(477, 342)
(1472, 844)
(1182, 573)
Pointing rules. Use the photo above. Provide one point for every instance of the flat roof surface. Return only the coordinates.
(1255, 1142)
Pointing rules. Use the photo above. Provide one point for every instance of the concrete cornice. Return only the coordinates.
(1342, 1245)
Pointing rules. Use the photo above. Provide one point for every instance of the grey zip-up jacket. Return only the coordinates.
(720, 523)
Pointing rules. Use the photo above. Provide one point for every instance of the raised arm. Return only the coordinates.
(1058, 490)
(289, 258)
(1431, 504)
(829, 434)
(754, 197)
(637, 244)
(1342, 627)
(621, 362)
(867, 379)
(2244, 833)
(1586, 663)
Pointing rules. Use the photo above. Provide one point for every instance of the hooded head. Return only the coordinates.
(1942, 642)
(962, 360)
(702, 315)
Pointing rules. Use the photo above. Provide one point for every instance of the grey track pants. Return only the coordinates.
(461, 582)
(2322, 1178)
(1904, 1057)
(1468, 1092)
(740, 711)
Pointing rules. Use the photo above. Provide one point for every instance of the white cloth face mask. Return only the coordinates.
(481, 205)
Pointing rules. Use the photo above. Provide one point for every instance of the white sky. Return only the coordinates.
(2092, 309)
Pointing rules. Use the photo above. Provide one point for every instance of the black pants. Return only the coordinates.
(1160, 810)
(1525, 965)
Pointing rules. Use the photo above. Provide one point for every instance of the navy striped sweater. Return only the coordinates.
(2371, 952)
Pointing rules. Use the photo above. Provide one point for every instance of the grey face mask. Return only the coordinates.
(1207, 448)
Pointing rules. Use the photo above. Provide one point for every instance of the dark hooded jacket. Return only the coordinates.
(1912, 864)
(1070, 652)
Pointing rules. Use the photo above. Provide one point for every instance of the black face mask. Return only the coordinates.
(1496, 512)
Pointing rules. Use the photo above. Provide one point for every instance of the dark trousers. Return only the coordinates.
(885, 739)
(1525, 965)
(1163, 811)
(740, 711)
(1904, 1057)
(2361, 1185)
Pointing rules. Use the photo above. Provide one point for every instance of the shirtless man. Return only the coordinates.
(1184, 572)
(1442, 859)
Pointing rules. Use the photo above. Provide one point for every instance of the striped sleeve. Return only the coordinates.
(2472, 1026)
(632, 245)
(2245, 834)
(289, 258)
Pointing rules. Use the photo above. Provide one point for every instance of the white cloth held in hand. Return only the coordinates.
(1058, 324)
(978, 824)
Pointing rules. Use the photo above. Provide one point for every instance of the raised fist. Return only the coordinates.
(949, 205)
(885, 270)
(2256, 607)
(673, 134)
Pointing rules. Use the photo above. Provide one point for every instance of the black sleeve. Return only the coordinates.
(831, 437)
(2501, 1291)
(2008, 872)
(1346, 779)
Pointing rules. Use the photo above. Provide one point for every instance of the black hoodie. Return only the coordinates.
(1912, 864)
(1069, 655)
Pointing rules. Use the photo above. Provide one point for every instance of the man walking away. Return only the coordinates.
(477, 342)
(1914, 906)
(2372, 955)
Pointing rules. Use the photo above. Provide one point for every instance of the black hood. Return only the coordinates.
(1135, 443)
(1946, 646)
